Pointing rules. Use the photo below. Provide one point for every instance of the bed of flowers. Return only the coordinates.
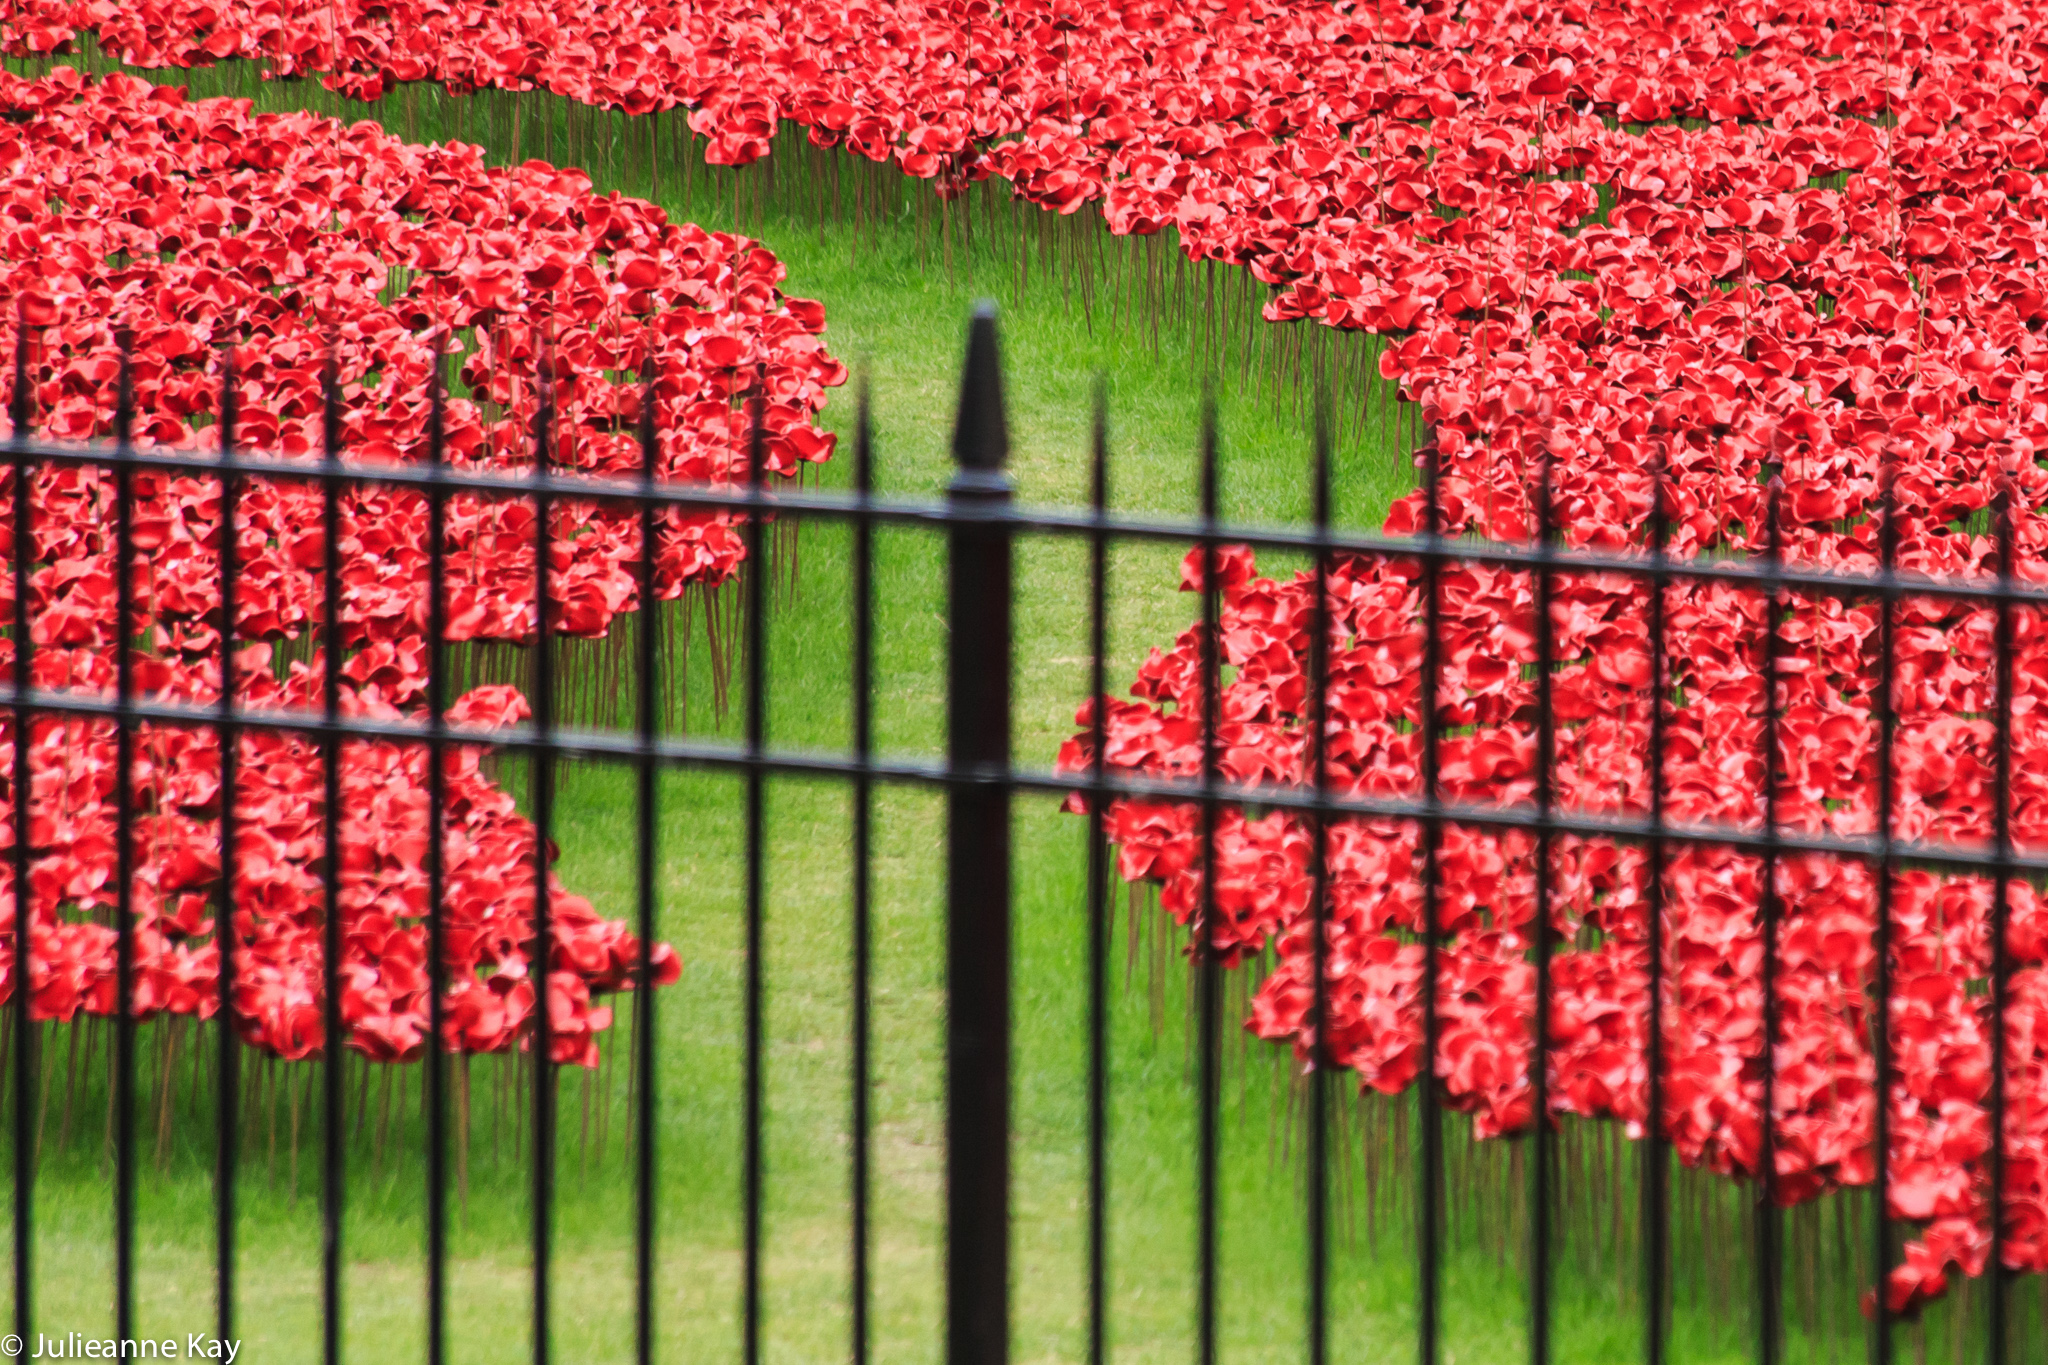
(200, 229)
(1767, 247)
(1762, 335)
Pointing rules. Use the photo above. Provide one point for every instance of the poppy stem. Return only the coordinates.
(107, 1148)
(291, 1093)
(675, 623)
(74, 1028)
(497, 1106)
(1374, 1139)
(270, 1160)
(362, 1098)
(632, 1077)
(165, 1078)
(462, 1137)
(41, 1033)
(382, 1130)
(517, 1061)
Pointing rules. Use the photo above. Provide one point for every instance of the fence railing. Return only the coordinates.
(980, 523)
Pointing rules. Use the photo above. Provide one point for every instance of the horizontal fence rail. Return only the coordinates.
(978, 776)
(827, 504)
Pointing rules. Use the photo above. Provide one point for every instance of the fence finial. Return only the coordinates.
(437, 407)
(124, 391)
(17, 402)
(330, 405)
(230, 402)
(981, 437)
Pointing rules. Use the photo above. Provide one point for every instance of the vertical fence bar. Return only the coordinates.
(1656, 1148)
(647, 780)
(1543, 1151)
(24, 1068)
(1429, 1198)
(863, 854)
(1098, 888)
(228, 1055)
(978, 867)
(755, 586)
(436, 1056)
(542, 962)
(331, 939)
(1319, 903)
(1765, 1240)
(124, 861)
(1208, 971)
(1995, 1277)
(1881, 928)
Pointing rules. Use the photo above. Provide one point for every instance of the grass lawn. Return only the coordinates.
(896, 301)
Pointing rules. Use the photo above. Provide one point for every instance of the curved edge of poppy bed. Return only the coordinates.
(192, 234)
(1823, 1092)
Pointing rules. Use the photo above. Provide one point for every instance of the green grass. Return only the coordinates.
(895, 305)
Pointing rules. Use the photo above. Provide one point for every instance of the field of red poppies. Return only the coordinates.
(200, 230)
(1774, 250)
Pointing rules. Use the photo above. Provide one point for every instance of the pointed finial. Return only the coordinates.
(17, 404)
(330, 405)
(437, 402)
(124, 396)
(650, 448)
(981, 438)
(230, 409)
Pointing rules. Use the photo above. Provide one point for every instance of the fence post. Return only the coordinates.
(978, 868)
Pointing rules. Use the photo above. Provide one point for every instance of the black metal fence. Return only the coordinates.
(978, 777)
